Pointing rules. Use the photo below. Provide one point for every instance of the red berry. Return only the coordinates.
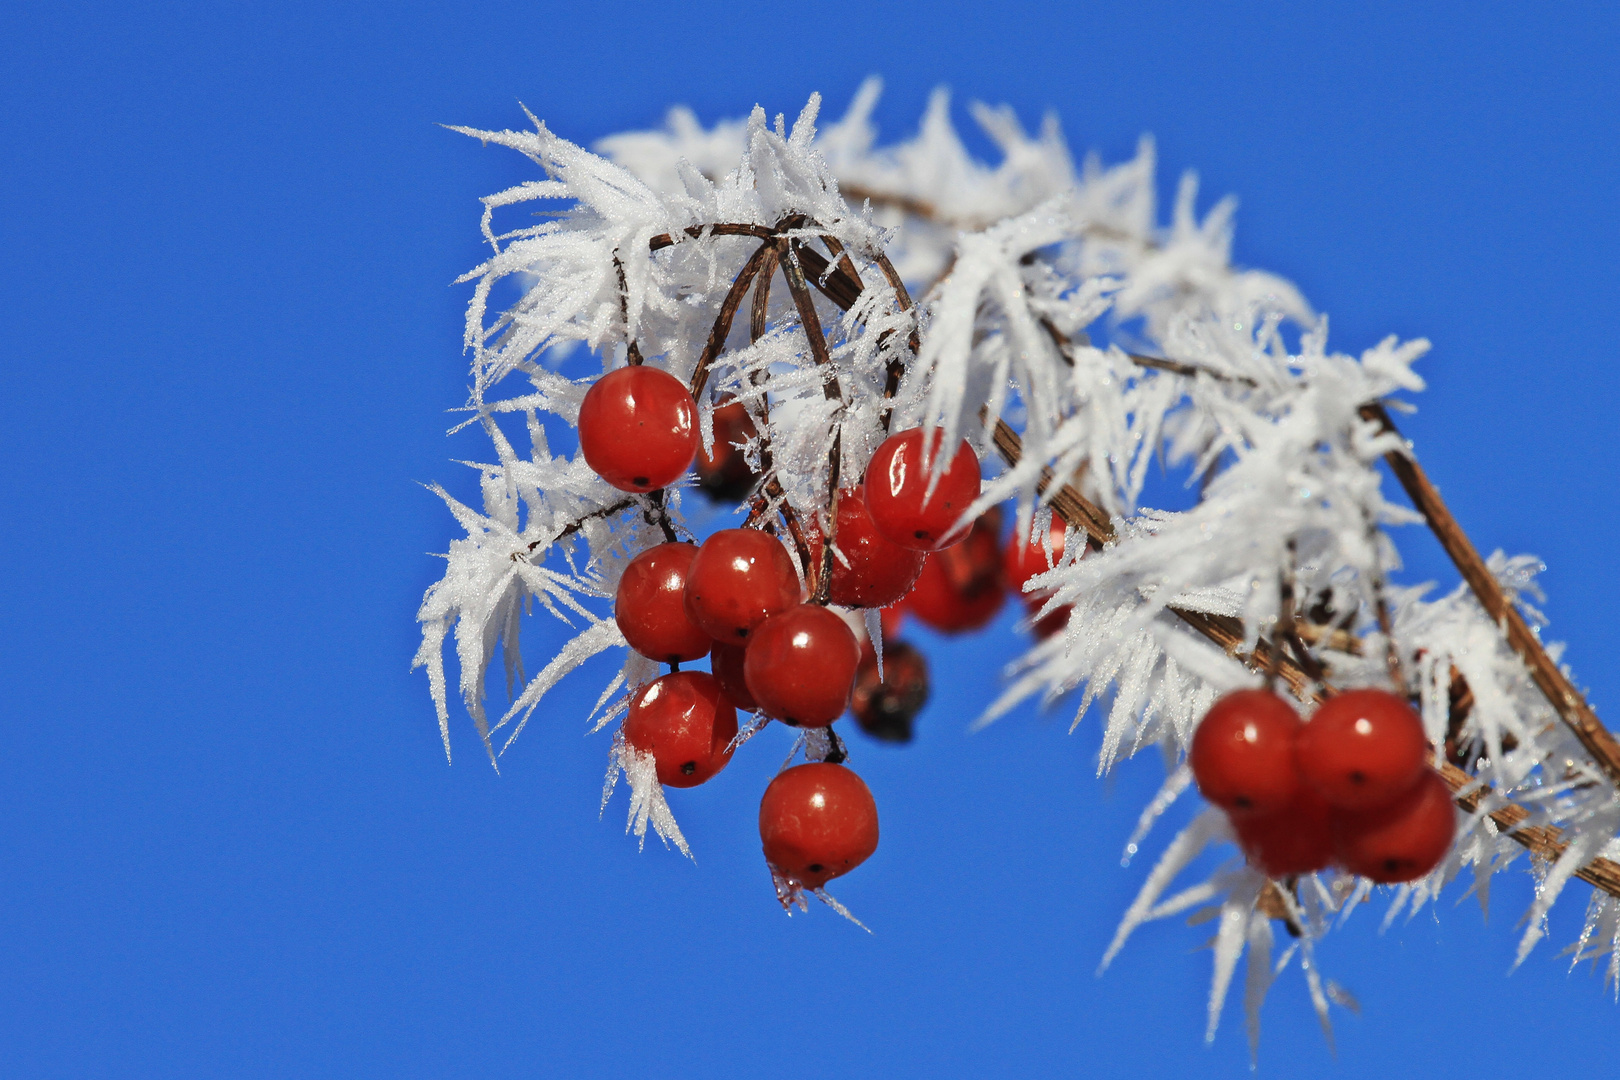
(801, 665)
(960, 588)
(726, 663)
(879, 571)
(686, 724)
(1243, 753)
(897, 490)
(740, 578)
(1363, 749)
(885, 708)
(1024, 558)
(650, 605)
(1297, 839)
(817, 822)
(1401, 841)
(723, 472)
(638, 428)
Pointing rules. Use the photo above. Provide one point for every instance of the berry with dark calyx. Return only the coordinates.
(1296, 839)
(801, 665)
(1242, 754)
(1401, 841)
(739, 578)
(897, 494)
(650, 605)
(638, 428)
(686, 723)
(817, 822)
(726, 664)
(1363, 749)
(723, 472)
(874, 570)
(886, 708)
(960, 587)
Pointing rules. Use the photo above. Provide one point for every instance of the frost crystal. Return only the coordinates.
(1035, 300)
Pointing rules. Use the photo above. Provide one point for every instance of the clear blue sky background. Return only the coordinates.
(229, 842)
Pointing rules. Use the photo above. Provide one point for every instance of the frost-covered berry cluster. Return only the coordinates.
(884, 356)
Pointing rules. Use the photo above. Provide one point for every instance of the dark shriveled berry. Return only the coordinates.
(886, 709)
(723, 472)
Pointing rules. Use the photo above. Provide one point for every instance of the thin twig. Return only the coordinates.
(575, 525)
(824, 573)
(1541, 840)
(632, 351)
(1568, 702)
(809, 320)
(728, 311)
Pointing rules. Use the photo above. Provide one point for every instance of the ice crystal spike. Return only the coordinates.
(911, 284)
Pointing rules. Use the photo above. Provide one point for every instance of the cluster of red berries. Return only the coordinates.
(738, 599)
(1350, 787)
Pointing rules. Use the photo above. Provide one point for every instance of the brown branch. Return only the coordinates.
(1568, 702)
(1542, 840)
(728, 311)
(840, 288)
(1079, 512)
(808, 319)
(664, 240)
(824, 574)
(759, 316)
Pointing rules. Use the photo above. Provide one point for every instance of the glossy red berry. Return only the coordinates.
(723, 472)
(801, 665)
(726, 664)
(740, 578)
(897, 490)
(874, 570)
(1363, 749)
(886, 708)
(638, 428)
(817, 822)
(1243, 753)
(650, 605)
(1401, 841)
(1024, 558)
(1297, 839)
(960, 587)
(686, 723)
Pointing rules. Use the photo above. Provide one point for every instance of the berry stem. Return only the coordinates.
(728, 311)
(632, 351)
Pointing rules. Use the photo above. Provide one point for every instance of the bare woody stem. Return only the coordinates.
(1568, 702)
(843, 287)
(1543, 841)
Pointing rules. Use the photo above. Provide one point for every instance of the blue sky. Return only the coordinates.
(229, 843)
